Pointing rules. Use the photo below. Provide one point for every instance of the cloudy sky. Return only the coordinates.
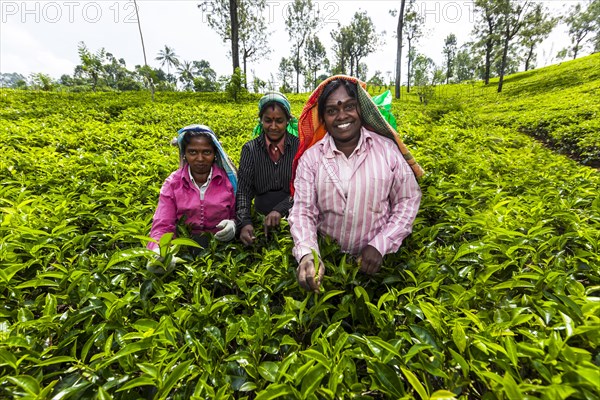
(42, 36)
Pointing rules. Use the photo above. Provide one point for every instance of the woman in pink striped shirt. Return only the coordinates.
(353, 185)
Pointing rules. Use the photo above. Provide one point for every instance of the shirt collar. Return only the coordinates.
(280, 143)
(210, 174)
(329, 149)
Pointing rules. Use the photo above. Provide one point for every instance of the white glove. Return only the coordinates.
(227, 231)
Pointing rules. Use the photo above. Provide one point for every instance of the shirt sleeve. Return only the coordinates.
(304, 213)
(284, 206)
(405, 197)
(165, 217)
(245, 192)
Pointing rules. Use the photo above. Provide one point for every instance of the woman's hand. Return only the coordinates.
(227, 230)
(247, 235)
(308, 278)
(370, 260)
(272, 221)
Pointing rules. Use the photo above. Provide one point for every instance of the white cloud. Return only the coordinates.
(27, 53)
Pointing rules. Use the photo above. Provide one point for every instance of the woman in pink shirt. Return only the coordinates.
(354, 180)
(202, 190)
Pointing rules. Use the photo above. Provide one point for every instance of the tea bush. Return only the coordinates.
(495, 295)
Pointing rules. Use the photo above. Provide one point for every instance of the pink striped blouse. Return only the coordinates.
(380, 207)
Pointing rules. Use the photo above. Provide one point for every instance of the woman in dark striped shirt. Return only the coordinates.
(265, 169)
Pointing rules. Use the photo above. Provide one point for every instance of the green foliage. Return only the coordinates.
(494, 295)
(235, 88)
(558, 106)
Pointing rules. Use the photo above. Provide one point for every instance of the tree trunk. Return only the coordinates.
(245, 58)
(297, 68)
(400, 28)
(488, 61)
(503, 63)
(529, 56)
(137, 13)
(235, 46)
(408, 67)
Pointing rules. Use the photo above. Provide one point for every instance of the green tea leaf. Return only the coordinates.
(28, 383)
(414, 382)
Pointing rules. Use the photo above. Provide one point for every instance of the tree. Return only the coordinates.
(285, 74)
(485, 30)
(361, 71)
(241, 23)
(204, 77)
(354, 42)
(9, 80)
(168, 57)
(92, 64)
(512, 14)
(594, 9)
(464, 65)
(377, 79)
(301, 21)
(253, 32)
(399, 30)
(149, 77)
(186, 74)
(537, 26)
(413, 23)
(514, 60)
(315, 57)
(342, 39)
(40, 81)
(438, 76)
(117, 76)
(423, 67)
(365, 40)
(236, 85)
(258, 85)
(581, 23)
(449, 54)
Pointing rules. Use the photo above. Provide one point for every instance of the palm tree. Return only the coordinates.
(167, 56)
(186, 75)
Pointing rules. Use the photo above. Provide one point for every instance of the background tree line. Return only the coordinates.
(505, 37)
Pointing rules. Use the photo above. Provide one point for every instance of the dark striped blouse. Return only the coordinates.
(262, 179)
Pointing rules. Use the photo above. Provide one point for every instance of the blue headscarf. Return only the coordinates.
(222, 160)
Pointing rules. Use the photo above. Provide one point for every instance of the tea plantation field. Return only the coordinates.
(495, 295)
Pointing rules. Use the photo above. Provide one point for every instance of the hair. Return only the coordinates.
(273, 104)
(189, 135)
(331, 87)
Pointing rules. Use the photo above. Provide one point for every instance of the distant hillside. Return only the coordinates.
(559, 105)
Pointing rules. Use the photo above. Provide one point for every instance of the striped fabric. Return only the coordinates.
(311, 130)
(380, 207)
(258, 174)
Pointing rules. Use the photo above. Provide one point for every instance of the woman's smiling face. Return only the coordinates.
(341, 116)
